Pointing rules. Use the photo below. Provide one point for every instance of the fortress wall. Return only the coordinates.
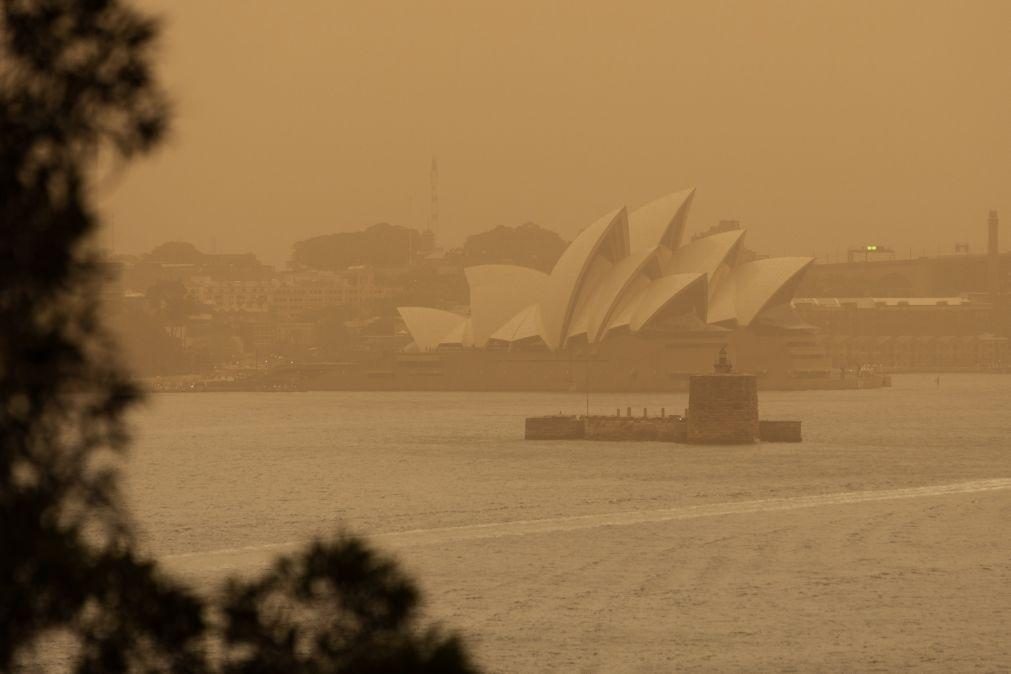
(723, 409)
(665, 429)
(558, 427)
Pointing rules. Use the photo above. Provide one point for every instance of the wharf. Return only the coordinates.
(722, 410)
(644, 429)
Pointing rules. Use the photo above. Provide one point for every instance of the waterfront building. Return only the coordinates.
(289, 294)
(948, 312)
(908, 333)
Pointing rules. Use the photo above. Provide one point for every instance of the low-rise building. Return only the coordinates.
(289, 294)
(907, 333)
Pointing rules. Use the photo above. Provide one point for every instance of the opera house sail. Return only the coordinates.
(628, 306)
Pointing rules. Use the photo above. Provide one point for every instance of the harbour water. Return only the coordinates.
(595, 556)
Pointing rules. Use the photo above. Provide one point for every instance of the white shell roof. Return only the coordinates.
(606, 237)
(429, 326)
(751, 286)
(705, 254)
(624, 270)
(497, 293)
(661, 293)
(599, 270)
(783, 315)
(722, 305)
(612, 287)
(461, 335)
(524, 325)
(661, 222)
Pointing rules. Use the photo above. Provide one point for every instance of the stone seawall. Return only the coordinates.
(666, 429)
(562, 427)
(659, 429)
(779, 431)
(722, 409)
(557, 427)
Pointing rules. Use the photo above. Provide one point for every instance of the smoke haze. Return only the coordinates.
(818, 125)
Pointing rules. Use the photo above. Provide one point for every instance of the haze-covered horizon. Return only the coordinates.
(817, 126)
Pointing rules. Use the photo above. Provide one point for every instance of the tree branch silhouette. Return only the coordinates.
(76, 83)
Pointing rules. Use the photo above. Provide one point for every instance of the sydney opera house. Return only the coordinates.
(628, 306)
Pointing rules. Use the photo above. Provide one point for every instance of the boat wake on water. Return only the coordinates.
(257, 555)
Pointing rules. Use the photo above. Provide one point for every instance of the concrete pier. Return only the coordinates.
(722, 410)
(664, 429)
(555, 427)
(561, 427)
(659, 429)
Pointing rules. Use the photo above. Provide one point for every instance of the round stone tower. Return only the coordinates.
(723, 406)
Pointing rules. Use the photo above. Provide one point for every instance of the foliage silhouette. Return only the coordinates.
(378, 245)
(74, 80)
(76, 83)
(337, 607)
(527, 245)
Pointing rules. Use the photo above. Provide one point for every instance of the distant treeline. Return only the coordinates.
(386, 245)
(527, 245)
(381, 245)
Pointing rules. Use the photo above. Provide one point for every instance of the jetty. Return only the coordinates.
(722, 410)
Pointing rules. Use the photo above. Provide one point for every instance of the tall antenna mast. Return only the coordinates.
(433, 216)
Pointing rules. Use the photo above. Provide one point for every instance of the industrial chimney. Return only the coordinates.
(993, 271)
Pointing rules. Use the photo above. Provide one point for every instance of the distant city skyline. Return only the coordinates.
(844, 254)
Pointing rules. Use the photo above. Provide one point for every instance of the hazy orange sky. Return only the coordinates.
(817, 124)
